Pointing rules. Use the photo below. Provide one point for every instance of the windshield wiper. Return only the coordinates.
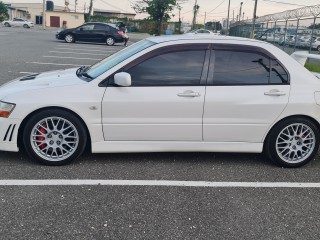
(86, 75)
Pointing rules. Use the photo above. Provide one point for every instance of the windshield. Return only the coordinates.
(109, 62)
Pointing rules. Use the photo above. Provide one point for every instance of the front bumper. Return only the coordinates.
(9, 134)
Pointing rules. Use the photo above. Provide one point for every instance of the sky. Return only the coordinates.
(212, 10)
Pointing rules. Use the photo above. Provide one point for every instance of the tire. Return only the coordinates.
(7, 25)
(110, 41)
(293, 142)
(69, 38)
(54, 137)
(25, 26)
(318, 48)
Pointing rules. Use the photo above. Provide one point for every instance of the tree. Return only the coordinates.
(3, 11)
(159, 11)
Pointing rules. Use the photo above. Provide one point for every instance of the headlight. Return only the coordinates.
(6, 109)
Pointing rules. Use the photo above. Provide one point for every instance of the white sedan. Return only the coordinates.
(176, 93)
(18, 22)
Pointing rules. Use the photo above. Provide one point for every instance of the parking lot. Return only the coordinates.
(144, 195)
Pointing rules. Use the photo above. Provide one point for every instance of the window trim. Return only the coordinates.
(246, 49)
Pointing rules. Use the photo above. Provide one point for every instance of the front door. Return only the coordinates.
(247, 92)
(164, 102)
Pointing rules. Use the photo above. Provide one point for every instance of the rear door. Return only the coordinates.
(247, 90)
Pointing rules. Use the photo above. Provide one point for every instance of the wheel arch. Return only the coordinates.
(25, 120)
(317, 124)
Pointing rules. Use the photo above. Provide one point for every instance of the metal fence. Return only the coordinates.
(291, 30)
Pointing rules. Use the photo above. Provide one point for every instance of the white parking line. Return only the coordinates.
(58, 64)
(64, 182)
(95, 59)
(90, 50)
(27, 72)
(102, 47)
(95, 54)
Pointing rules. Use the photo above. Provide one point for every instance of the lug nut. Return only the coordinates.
(51, 142)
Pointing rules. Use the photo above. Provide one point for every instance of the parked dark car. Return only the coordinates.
(92, 32)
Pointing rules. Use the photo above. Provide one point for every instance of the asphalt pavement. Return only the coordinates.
(129, 211)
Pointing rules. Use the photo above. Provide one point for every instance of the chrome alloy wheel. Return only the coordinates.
(110, 41)
(69, 38)
(295, 143)
(54, 139)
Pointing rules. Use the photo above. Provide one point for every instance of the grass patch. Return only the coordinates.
(312, 67)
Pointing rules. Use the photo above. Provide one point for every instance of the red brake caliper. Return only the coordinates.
(40, 144)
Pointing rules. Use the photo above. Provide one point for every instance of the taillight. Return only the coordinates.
(120, 32)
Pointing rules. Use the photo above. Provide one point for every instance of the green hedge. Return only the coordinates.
(313, 67)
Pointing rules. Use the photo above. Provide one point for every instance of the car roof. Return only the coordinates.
(109, 24)
(199, 37)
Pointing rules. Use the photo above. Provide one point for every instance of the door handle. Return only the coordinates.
(275, 92)
(189, 93)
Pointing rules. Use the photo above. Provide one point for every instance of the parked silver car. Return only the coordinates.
(18, 22)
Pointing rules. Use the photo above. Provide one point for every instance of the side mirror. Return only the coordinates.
(81, 29)
(122, 79)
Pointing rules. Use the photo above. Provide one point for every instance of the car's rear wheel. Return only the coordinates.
(54, 137)
(69, 38)
(318, 48)
(293, 142)
(110, 41)
(7, 24)
(25, 26)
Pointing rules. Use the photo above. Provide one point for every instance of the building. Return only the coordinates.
(56, 16)
(14, 12)
(113, 14)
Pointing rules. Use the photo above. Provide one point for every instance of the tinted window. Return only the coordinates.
(88, 27)
(101, 27)
(240, 68)
(175, 68)
(278, 75)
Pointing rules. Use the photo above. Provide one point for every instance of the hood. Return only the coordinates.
(58, 78)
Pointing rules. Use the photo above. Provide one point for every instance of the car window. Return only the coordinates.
(181, 68)
(278, 75)
(88, 27)
(101, 27)
(240, 68)
(113, 60)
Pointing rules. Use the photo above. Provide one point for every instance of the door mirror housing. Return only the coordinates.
(122, 79)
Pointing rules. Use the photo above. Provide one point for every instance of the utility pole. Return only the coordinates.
(44, 15)
(254, 18)
(84, 7)
(179, 8)
(242, 16)
(90, 9)
(204, 22)
(240, 11)
(75, 5)
(195, 11)
(227, 32)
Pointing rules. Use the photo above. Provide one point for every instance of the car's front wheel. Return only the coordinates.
(54, 137)
(25, 26)
(110, 41)
(69, 38)
(293, 142)
(7, 25)
(318, 48)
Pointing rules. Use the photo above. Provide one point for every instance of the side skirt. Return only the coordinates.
(161, 146)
